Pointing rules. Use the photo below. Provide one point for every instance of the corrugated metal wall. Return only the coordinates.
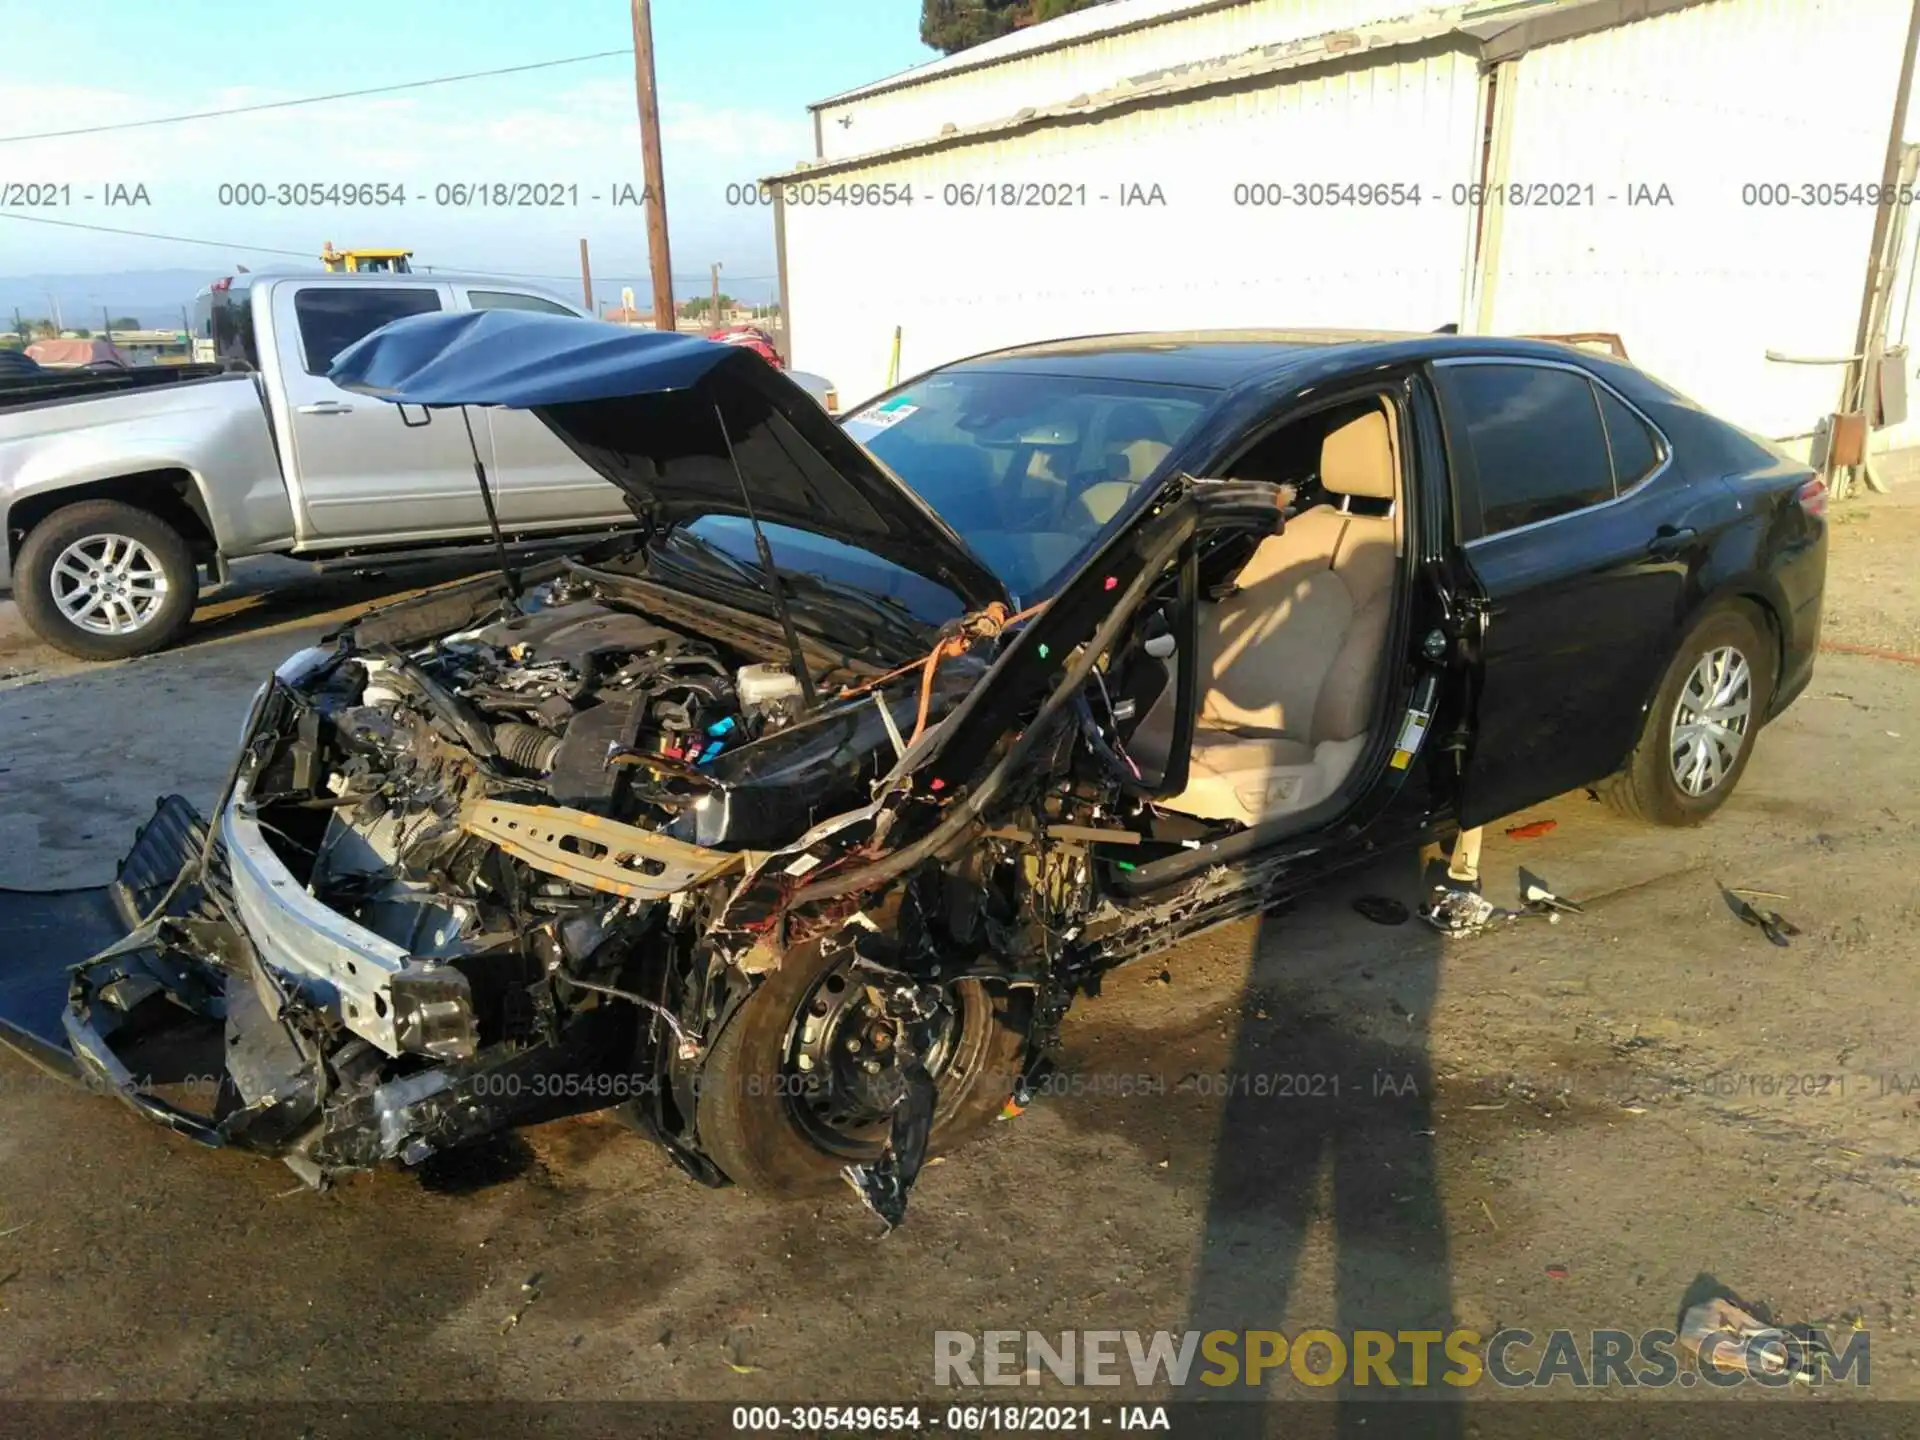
(1705, 101)
(963, 279)
(974, 96)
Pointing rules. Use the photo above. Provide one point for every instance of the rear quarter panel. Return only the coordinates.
(215, 430)
(1773, 554)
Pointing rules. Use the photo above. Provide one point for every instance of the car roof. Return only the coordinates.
(379, 277)
(1227, 359)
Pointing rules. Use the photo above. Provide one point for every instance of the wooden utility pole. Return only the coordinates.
(106, 319)
(645, 91)
(714, 319)
(586, 278)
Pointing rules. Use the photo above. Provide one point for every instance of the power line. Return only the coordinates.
(149, 235)
(307, 255)
(315, 99)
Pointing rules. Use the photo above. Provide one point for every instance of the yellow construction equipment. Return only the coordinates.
(362, 262)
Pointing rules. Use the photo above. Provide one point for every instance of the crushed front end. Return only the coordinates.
(486, 862)
(458, 884)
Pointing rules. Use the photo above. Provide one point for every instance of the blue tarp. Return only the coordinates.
(521, 359)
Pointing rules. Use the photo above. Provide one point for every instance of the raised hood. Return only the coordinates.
(640, 407)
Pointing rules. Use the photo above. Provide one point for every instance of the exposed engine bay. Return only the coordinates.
(518, 845)
(487, 861)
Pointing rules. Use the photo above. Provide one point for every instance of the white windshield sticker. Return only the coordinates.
(891, 413)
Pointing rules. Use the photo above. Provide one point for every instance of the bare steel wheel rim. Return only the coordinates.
(109, 584)
(840, 1073)
(1711, 720)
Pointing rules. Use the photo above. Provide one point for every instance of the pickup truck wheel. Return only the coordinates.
(103, 580)
(797, 1084)
(1699, 732)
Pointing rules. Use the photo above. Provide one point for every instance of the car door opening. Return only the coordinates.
(1292, 650)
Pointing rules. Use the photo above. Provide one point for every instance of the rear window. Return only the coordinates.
(332, 317)
(223, 329)
(512, 300)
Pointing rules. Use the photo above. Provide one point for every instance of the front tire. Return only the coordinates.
(104, 581)
(1698, 735)
(761, 1119)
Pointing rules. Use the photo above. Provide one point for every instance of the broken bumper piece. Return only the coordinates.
(232, 1041)
(106, 1025)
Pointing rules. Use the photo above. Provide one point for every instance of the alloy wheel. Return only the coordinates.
(1711, 720)
(108, 584)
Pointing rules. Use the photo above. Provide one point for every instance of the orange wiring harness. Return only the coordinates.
(966, 632)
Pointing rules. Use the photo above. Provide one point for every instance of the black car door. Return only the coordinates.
(1575, 537)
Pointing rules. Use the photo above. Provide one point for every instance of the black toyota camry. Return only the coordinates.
(792, 824)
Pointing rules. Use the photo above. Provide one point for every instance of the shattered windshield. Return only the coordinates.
(1027, 468)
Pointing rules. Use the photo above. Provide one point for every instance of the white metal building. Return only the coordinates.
(1186, 164)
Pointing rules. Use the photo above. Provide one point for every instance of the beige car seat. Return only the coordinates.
(1291, 659)
(1134, 445)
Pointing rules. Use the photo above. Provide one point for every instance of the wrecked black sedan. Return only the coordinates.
(792, 827)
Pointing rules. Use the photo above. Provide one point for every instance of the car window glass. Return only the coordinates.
(332, 317)
(1537, 444)
(831, 561)
(1029, 469)
(508, 300)
(1634, 450)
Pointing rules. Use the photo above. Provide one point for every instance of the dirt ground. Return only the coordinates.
(1547, 1126)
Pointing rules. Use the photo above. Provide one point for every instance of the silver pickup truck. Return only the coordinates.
(115, 489)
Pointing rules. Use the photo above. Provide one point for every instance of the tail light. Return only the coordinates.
(221, 285)
(1813, 497)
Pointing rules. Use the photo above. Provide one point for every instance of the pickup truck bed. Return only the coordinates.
(22, 390)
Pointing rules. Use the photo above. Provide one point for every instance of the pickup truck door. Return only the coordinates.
(538, 480)
(362, 469)
(1571, 569)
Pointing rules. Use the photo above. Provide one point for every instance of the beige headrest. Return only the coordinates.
(1105, 500)
(1357, 459)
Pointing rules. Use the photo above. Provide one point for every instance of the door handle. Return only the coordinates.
(1669, 540)
(325, 407)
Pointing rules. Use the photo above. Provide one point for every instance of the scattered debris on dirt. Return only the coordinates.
(1461, 912)
(529, 1292)
(1538, 897)
(1771, 923)
(735, 1347)
(1533, 830)
(1762, 1348)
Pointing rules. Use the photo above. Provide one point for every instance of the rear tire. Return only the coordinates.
(104, 581)
(749, 1109)
(1698, 734)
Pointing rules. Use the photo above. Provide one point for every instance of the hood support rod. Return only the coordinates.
(809, 699)
(507, 572)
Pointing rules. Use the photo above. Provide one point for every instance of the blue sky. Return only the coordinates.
(735, 79)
